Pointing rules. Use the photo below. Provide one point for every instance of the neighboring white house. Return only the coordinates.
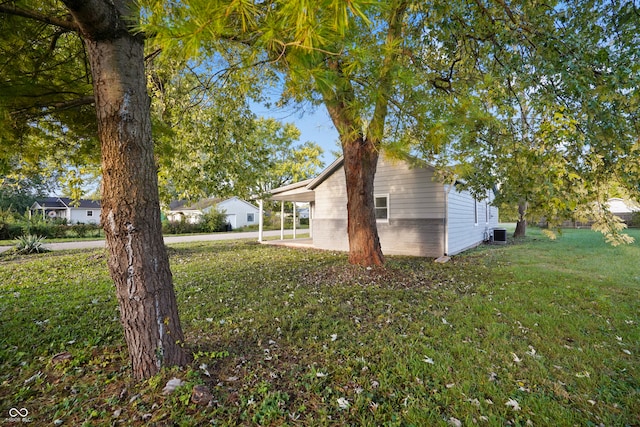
(239, 212)
(416, 214)
(80, 211)
(623, 209)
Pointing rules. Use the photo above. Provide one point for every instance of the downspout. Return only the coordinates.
(445, 235)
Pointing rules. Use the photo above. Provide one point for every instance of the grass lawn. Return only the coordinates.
(534, 333)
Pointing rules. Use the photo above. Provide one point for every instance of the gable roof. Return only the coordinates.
(184, 205)
(303, 191)
(236, 198)
(337, 164)
(65, 202)
(178, 205)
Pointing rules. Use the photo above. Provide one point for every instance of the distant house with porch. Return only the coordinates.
(416, 215)
(64, 208)
(239, 212)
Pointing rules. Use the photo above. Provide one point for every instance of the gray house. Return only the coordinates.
(416, 215)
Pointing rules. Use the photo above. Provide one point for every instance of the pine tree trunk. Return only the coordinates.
(360, 163)
(138, 260)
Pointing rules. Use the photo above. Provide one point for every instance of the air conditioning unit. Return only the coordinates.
(500, 236)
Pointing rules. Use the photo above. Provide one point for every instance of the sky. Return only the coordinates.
(314, 124)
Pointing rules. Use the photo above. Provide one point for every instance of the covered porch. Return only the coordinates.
(295, 193)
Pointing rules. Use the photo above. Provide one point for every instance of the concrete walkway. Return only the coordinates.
(88, 244)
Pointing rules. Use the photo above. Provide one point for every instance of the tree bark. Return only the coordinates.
(521, 225)
(360, 164)
(138, 261)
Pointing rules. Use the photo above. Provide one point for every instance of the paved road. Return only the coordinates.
(87, 244)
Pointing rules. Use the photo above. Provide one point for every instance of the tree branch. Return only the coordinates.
(55, 106)
(32, 14)
(381, 108)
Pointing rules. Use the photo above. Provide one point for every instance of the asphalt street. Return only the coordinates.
(87, 244)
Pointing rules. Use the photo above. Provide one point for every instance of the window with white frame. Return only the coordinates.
(89, 213)
(382, 207)
(251, 217)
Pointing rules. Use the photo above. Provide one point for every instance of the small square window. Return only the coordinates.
(89, 213)
(250, 217)
(382, 207)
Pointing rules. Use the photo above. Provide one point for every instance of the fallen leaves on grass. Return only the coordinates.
(513, 404)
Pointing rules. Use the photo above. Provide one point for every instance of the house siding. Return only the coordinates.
(81, 216)
(463, 231)
(416, 211)
(422, 217)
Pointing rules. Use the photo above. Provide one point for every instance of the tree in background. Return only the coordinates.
(210, 143)
(554, 124)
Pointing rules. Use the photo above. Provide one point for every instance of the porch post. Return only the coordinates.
(294, 220)
(282, 220)
(260, 220)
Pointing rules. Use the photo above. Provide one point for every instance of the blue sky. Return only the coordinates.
(314, 124)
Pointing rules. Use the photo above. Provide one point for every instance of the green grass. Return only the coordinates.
(299, 337)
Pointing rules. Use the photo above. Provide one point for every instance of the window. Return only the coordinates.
(89, 213)
(251, 217)
(382, 208)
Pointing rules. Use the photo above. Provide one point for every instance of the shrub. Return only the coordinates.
(82, 230)
(10, 231)
(180, 227)
(635, 220)
(214, 221)
(30, 244)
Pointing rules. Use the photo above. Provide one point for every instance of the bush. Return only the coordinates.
(635, 220)
(82, 230)
(211, 222)
(9, 231)
(30, 244)
(214, 221)
(180, 227)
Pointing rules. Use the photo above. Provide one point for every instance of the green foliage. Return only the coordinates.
(46, 115)
(210, 222)
(84, 230)
(553, 121)
(213, 221)
(30, 244)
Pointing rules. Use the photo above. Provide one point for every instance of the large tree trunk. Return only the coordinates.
(521, 225)
(360, 163)
(138, 260)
